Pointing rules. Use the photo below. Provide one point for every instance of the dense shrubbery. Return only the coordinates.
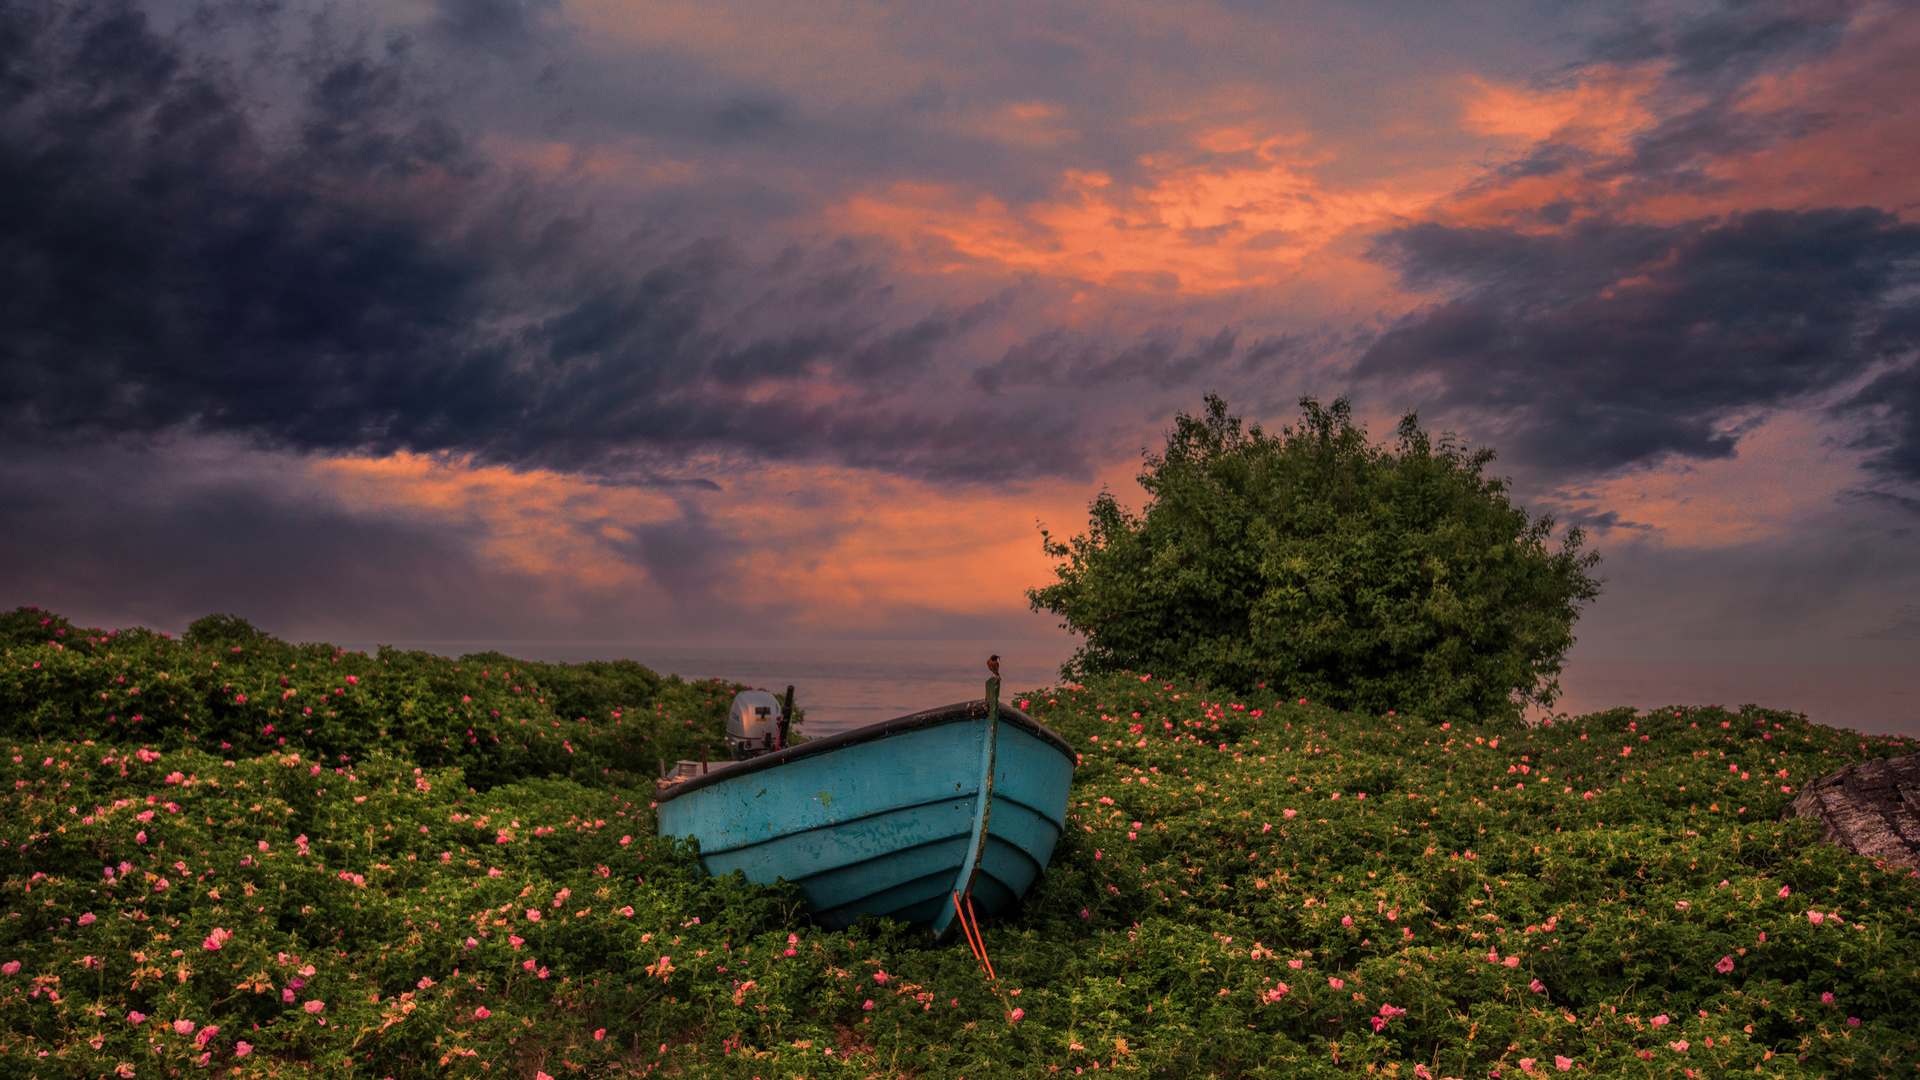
(228, 687)
(1251, 888)
(1317, 563)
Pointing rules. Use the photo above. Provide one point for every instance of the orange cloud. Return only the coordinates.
(1258, 219)
(1836, 131)
(1599, 111)
(841, 548)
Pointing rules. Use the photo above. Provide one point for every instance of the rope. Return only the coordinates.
(970, 925)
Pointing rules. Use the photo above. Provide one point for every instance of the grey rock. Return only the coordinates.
(1871, 809)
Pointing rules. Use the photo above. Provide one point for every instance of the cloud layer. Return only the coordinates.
(373, 283)
(1608, 343)
(560, 314)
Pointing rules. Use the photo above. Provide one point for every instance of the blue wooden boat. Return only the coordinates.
(890, 819)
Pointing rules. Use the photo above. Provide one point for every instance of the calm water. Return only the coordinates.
(1874, 699)
(845, 684)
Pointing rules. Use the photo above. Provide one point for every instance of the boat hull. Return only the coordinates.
(888, 819)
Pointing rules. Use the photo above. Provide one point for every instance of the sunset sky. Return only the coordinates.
(614, 320)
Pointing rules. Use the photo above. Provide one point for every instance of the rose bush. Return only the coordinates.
(228, 688)
(1247, 887)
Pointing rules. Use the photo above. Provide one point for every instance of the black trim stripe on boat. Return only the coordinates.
(778, 837)
(962, 834)
(930, 718)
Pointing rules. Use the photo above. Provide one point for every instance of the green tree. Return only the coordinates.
(1324, 567)
(224, 631)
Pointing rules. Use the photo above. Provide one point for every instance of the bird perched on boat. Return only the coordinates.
(993, 664)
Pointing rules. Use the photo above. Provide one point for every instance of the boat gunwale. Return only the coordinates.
(959, 712)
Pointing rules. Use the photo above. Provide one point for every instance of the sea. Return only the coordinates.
(848, 684)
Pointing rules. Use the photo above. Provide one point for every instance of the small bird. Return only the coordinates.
(993, 664)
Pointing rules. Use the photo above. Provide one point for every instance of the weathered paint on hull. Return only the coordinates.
(881, 821)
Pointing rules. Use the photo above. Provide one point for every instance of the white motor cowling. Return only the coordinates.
(753, 728)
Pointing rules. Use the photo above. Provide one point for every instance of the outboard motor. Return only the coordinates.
(755, 725)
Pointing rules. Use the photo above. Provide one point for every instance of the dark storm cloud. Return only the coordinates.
(365, 281)
(123, 538)
(1062, 358)
(1605, 344)
(694, 563)
(1892, 400)
(1600, 522)
(506, 28)
(118, 536)
(1731, 41)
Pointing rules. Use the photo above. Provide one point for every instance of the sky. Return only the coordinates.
(594, 319)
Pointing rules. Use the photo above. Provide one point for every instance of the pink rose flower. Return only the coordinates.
(136, 1018)
(87, 919)
(1562, 1063)
(880, 977)
(242, 1048)
(183, 1027)
(1017, 1015)
(314, 1006)
(11, 967)
(533, 914)
(1337, 983)
(482, 1013)
(1725, 965)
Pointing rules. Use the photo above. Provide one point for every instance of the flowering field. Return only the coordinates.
(1250, 888)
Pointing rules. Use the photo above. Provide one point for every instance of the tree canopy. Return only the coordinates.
(1319, 565)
